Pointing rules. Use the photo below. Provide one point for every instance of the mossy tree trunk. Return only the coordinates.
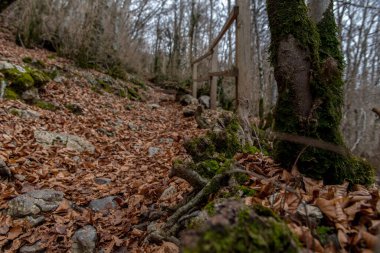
(5, 3)
(308, 63)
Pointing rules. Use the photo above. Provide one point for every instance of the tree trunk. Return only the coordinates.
(5, 3)
(308, 66)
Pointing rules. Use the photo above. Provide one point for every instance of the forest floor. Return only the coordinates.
(130, 149)
(135, 144)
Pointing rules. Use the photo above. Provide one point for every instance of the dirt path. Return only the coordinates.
(135, 144)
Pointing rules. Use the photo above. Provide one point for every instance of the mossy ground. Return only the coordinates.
(251, 233)
(46, 105)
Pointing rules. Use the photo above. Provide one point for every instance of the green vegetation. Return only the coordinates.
(249, 234)
(46, 105)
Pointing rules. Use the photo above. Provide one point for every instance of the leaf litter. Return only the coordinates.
(351, 215)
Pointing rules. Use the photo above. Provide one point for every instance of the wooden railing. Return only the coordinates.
(212, 51)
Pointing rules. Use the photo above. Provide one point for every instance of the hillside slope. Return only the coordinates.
(130, 151)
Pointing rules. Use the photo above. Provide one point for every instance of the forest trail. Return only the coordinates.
(135, 144)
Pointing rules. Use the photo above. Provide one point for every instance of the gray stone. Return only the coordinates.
(188, 112)
(34, 202)
(34, 222)
(154, 106)
(311, 211)
(25, 114)
(132, 126)
(35, 248)
(167, 140)
(84, 240)
(169, 192)
(102, 180)
(70, 141)
(6, 65)
(153, 151)
(204, 101)
(103, 204)
(4, 169)
(59, 79)
(188, 100)
(20, 69)
(30, 95)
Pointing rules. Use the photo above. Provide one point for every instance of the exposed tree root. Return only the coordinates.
(181, 170)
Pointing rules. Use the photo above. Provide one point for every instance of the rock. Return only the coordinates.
(188, 111)
(102, 180)
(154, 106)
(20, 69)
(4, 169)
(5, 65)
(35, 248)
(30, 95)
(153, 151)
(166, 140)
(25, 114)
(59, 79)
(20, 177)
(70, 141)
(204, 101)
(34, 222)
(103, 204)
(309, 211)
(132, 126)
(75, 109)
(84, 240)
(34, 202)
(168, 193)
(188, 100)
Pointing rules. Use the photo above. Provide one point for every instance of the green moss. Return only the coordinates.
(247, 191)
(133, 93)
(138, 82)
(105, 86)
(75, 109)
(323, 234)
(122, 93)
(200, 148)
(40, 78)
(210, 208)
(208, 168)
(27, 59)
(11, 94)
(45, 105)
(265, 211)
(249, 234)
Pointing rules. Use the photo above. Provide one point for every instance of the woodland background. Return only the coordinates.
(159, 39)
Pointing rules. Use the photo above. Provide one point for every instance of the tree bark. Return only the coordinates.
(308, 66)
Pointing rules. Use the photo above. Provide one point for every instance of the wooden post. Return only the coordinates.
(195, 76)
(244, 65)
(214, 79)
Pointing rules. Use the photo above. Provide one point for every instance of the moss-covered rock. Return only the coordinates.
(46, 105)
(11, 94)
(238, 228)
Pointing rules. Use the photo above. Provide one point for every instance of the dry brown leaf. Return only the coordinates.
(168, 247)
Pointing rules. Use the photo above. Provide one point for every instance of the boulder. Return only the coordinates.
(5, 65)
(84, 240)
(103, 204)
(34, 202)
(4, 169)
(188, 100)
(70, 141)
(204, 101)
(25, 114)
(30, 95)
